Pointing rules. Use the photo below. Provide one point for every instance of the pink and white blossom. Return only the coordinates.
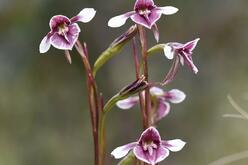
(149, 148)
(160, 100)
(145, 13)
(183, 51)
(64, 32)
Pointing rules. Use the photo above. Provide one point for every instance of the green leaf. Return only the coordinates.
(114, 48)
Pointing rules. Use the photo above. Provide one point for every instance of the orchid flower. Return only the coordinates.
(160, 100)
(145, 13)
(183, 51)
(149, 148)
(64, 32)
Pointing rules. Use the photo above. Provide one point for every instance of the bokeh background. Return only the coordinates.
(44, 116)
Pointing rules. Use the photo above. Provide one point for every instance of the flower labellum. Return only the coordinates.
(149, 148)
(183, 51)
(160, 100)
(145, 13)
(64, 32)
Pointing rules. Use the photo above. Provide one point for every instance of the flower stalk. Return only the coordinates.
(143, 42)
(137, 71)
(92, 97)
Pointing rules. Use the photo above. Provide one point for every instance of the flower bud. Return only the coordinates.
(133, 88)
(114, 48)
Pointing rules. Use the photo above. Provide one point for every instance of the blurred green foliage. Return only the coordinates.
(44, 116)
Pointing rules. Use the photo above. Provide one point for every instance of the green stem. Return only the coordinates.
(92, 96)
(155, 49)
(102, 124)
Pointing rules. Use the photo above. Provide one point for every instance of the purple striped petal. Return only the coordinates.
(122, 151)
(175, 96)
(172, 72)
(161, 154)
(173, 145)
(163, 110)
(140, 154)
(66, 41)
(157, 155)
(58, 20)
(150, 134)
(191, 44)
(128, 103)
(141, 20)
(147, 20)
(189, 61)
(141, 4)
(154, 16)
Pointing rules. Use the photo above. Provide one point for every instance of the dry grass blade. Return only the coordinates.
(243, 113)
(230, 158)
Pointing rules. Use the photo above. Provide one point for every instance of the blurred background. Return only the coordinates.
(44, 117)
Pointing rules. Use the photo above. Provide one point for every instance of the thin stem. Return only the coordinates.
(137, 69)
(102, 124)
(136, 58)
(102, 139)
(143, 42)
(92, 97)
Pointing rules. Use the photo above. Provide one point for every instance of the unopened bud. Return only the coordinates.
(125, 37)
(135, 87)
(114, 48)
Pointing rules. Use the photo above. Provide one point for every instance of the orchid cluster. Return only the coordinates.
(155, 102)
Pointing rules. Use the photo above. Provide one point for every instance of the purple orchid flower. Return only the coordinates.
(149, 148)
(64, 31)
(183, 51)
(145, 13)
(160, 100)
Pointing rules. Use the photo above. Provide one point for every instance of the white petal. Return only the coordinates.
(128, 103)
(174, 145)
(163, 110)
(122, 151)
(168, 10)
(86, 15)
(156, 91)
(176, 96)
(168, 52)
(119, 20)
(44, 45)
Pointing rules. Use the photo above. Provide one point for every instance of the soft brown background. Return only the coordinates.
(44, 117)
